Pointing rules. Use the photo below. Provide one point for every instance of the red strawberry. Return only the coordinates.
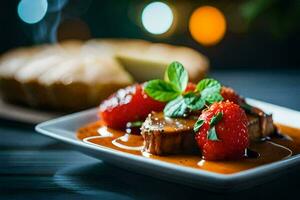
(190, 87)
(231, 131)
(229, 94)
(127, 105)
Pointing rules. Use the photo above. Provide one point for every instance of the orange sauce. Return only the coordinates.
(269, 151)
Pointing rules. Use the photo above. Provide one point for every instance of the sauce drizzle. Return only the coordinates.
(259, 153)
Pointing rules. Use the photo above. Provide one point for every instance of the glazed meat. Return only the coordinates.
(266, 126)
(163, 135)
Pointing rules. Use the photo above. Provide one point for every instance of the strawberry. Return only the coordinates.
(229, 94)
(127, 105)
(190, 87)
(221, 131)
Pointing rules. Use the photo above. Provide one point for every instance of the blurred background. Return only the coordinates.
(252, 45)
(243, 34)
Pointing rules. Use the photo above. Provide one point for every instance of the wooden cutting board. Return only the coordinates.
(25, 114)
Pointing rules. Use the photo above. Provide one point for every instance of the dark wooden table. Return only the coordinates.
(33, 166)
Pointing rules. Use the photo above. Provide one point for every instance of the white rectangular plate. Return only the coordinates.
(64, 129)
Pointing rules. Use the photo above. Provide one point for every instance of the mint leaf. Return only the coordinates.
(212, 97)
(198, 125)
(175, 108)
(177, 75)
(210, 90)
(208, 83)
(183, 104)
(215, 119)
(161, 90)
(212, 134)
(193, 101)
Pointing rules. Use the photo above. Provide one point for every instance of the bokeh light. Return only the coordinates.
(157, 18)
(207, 25)
(32, 11)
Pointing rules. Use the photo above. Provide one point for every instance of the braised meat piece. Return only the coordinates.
(265, 122)
(164, 135)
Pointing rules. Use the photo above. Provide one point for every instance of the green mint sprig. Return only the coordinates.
(210, 90)
(172, 90)
(177, 75)
(161, 90)
(198, 125)
(212, 134)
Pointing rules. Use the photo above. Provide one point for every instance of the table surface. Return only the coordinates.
(34, 166)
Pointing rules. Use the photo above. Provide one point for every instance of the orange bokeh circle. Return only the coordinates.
(207, 25)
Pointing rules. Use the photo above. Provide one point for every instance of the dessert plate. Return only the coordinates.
(64, 129)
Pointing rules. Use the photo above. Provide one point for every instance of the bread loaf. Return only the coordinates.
(73, 75)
